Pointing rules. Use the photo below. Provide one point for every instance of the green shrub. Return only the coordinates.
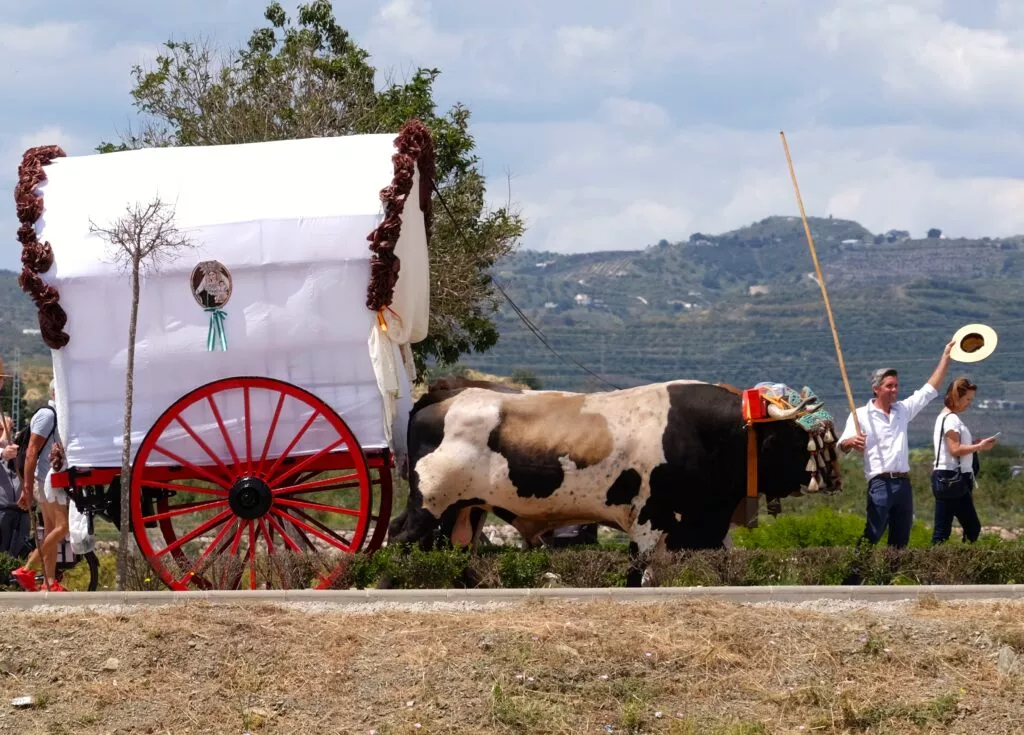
(522, 568)
(8, 564)
(822, 527)
(411, 569)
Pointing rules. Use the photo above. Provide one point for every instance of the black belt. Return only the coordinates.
(892, 476)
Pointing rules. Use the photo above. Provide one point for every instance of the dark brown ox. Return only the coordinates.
(666, 463)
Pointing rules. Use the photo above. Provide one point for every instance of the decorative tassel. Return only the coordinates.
(810, 464)
(820, 441)
(216, 334)
(821, 461)
(811, 446)
(829, 438)
(813, 486)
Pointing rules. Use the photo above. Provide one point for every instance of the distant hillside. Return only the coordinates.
(745, 306)
(17, 314)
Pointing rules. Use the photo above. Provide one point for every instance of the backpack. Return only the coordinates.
(22, 438)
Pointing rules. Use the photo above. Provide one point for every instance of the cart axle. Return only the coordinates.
(250, 498)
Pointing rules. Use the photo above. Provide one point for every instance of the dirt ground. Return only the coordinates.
(530, 667)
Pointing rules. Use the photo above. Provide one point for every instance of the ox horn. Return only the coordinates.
(788, 413)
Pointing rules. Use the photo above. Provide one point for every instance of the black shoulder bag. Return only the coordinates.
(947, 484)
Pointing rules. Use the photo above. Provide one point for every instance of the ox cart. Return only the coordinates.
(273, 371)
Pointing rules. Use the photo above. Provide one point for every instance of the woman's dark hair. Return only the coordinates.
(957, 390)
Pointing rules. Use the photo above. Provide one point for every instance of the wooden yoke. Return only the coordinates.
(755, 411)
(746, 511)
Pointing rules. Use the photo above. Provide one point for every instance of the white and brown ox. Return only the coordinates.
(666, 463)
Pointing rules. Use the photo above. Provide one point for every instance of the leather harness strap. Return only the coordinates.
(751, 445)
(751, 461)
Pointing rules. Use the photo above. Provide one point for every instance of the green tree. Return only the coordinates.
(527, 378)
(308, 78)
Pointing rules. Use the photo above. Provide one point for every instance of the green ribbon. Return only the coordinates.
(216, 332)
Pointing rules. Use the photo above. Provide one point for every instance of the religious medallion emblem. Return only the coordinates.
(211, 287)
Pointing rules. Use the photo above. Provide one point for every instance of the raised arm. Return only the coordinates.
(935, 381)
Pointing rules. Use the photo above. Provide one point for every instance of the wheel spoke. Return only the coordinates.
(219, 539)
(286, 578)
(252, 555)
(270, 433)
(185, 488)
(195, 532)
(309, 505)
(307, 461)
(238, 538)
(186, 508)
(288, 540)
(194, 468)
(224, 433)
(267, 537)
(326, 483)
(336, 542)
(317, 487)
(232, 552)
(205, 447)
(288, 449)
(248, 430)
(317, 528)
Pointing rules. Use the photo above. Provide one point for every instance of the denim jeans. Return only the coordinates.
(890, 504)
(14, 531)
(962, 509)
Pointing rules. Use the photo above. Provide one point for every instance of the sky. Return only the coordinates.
(612, 125)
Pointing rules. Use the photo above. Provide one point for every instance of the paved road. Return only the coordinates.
(335, 598)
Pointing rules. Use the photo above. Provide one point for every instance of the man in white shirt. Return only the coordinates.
(883, 443)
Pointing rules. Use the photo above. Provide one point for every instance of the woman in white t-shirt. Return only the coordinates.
(953, 473)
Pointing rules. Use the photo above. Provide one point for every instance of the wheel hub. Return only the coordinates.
(250, 498)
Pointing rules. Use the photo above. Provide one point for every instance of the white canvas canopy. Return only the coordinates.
(290, 222)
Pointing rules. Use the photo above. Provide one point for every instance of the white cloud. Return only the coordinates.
(32, 40)
(634, 114)
(586, 187)
(923, 58)
(582, 43)
(625, 123)
(12, 148)
(408, 23)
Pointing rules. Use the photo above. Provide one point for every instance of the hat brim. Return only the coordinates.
(974, 331)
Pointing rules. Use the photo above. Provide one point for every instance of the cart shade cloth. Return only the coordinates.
(290, 221)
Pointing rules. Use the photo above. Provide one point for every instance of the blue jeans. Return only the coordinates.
(890, 504)
(962, 509)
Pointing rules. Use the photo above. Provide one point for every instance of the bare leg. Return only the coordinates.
(56, 530)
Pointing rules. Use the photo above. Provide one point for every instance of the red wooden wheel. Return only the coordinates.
(222, 498)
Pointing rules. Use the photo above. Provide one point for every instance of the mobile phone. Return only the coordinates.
(998, 433)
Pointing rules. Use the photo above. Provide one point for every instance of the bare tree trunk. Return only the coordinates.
(125, 538)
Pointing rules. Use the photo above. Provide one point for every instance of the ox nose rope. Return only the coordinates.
(519, 312)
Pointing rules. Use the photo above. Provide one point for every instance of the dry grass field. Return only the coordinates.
(534, 667)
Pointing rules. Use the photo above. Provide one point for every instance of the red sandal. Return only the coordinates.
(26, 578)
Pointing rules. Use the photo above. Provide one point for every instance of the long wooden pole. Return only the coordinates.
(821, 283)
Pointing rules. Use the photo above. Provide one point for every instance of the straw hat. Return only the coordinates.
(974, 342)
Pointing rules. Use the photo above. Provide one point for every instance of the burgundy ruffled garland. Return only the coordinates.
(415, 146)
(36, 256)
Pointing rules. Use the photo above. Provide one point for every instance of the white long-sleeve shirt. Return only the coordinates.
(885, 436)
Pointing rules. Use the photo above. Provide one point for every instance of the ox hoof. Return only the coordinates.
(648, 579)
